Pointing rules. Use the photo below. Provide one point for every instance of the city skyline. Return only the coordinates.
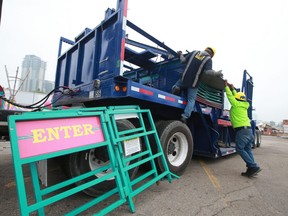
(33, 73)
(31, 77)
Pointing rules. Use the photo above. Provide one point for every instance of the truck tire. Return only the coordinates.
(258, 138)
(177, 144)
(85, 161)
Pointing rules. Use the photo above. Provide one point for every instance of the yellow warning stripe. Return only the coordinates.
(210, 175)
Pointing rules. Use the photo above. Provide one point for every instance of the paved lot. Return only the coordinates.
(208, 187)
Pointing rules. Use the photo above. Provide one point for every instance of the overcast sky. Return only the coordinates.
(247, 34)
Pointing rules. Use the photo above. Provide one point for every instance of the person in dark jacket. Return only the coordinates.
(242, 126)
(197, 62)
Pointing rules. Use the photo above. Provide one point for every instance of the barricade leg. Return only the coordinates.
(36, 186)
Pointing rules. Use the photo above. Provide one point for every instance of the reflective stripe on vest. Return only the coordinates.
(199, 69)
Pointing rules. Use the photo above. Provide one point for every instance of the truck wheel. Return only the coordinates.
(258, 138)
(85, 161)
(177, 144)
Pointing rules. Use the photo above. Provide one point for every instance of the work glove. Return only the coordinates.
(219, 73)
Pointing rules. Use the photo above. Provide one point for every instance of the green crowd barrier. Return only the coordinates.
(45, 135)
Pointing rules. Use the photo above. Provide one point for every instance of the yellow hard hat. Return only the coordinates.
(211, 49)
(240, 96)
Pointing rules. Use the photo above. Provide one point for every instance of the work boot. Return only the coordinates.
(251, 171)
(254, 171)
(175, 90)
(246, 173)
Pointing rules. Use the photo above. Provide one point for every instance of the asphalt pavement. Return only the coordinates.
(208, 187)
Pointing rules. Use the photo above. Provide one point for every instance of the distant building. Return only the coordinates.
(267, 129)
(285, 126)
(33, 74)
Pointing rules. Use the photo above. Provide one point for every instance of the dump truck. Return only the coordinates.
(104, 67)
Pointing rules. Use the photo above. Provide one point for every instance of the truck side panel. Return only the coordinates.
(95, 55)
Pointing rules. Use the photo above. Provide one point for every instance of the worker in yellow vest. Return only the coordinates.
(241, 123)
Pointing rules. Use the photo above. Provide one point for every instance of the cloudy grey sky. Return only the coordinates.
(247, 34)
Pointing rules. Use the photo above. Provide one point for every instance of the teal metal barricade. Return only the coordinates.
(44, 135)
